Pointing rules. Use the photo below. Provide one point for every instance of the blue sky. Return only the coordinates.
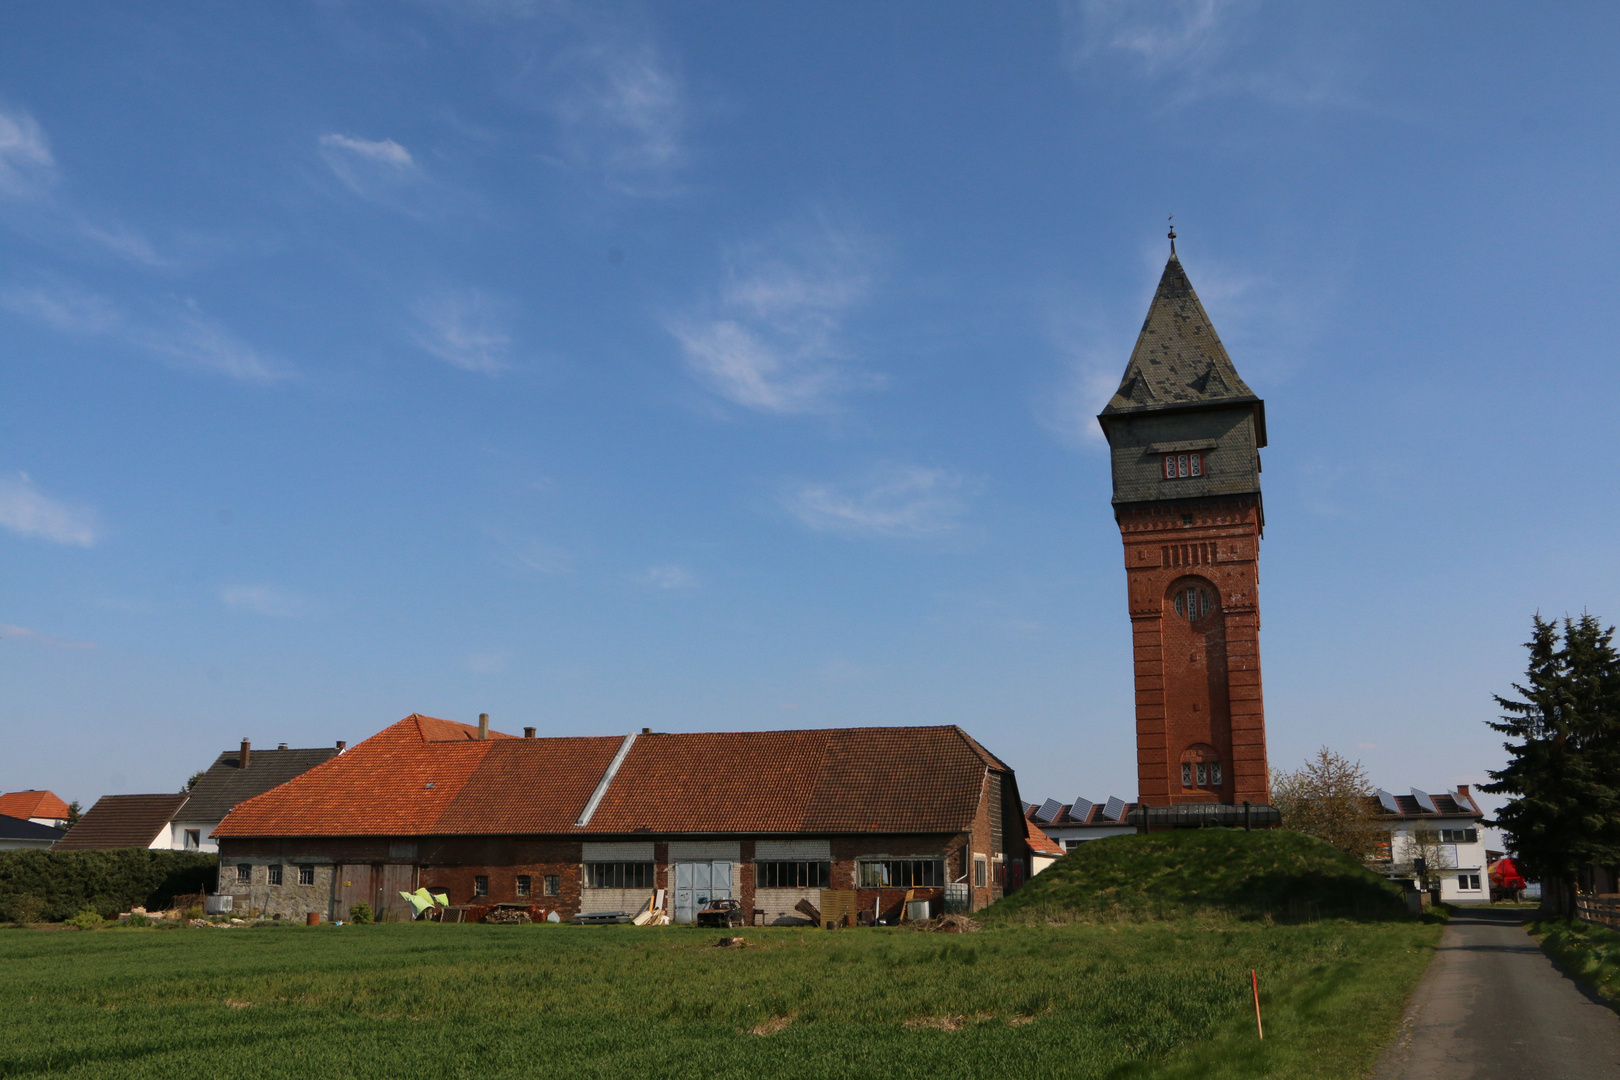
(725, 366)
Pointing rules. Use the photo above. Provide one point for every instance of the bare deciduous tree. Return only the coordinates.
(1328, 798)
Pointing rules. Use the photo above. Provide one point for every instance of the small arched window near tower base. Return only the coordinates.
(1201, 767)
(1192, 603)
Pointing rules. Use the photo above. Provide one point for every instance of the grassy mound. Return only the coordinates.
(1270, 873)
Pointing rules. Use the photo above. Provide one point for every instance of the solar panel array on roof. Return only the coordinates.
(1081, 810)
(1028, 806)
(1049, 811)
(1425, 800)
(1114, 809)
(1387, 801)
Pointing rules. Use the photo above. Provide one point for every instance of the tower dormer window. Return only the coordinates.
(1182, 466)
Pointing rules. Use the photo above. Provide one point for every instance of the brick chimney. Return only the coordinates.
(483, 725)
(528, 733)
(342, 746)
(247, 753)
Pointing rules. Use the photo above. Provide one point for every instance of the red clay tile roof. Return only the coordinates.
(925, 779)
(122, 821)
(1040, 843)
(27, 804)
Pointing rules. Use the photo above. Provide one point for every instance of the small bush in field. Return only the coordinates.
(195, 911)
(137, 919)
(86, 920)
(360, 914)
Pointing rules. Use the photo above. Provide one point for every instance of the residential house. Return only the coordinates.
(21, 833)
(1043, 850)
(40, 807)
(124, 821)
(1072, 824)
(1445, 830)
(235, 776)
(605, 823)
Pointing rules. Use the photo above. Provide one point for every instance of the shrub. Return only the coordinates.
(55, 885)
(360, 914)
(195, 911)
(86, 920)
(137, 919)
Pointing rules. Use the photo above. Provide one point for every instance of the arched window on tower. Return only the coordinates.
(1201, 768)
(1192, 602)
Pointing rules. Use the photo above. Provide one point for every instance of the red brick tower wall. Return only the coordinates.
(1184, 434)
(1198, 691)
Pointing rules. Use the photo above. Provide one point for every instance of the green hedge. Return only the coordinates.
(56, 885)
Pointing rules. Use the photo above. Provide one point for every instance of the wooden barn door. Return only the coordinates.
(393, 879)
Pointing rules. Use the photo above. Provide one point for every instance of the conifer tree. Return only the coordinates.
(1563, 755)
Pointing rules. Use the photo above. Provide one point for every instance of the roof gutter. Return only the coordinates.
(606, 781)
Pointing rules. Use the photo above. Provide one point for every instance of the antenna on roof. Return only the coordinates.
(1172, 234)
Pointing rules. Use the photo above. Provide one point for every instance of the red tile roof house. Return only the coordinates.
(40, 807)
(585, 824)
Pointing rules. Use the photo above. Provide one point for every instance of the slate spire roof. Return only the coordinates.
(1179, 361)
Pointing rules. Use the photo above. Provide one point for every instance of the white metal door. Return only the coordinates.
(698, 883)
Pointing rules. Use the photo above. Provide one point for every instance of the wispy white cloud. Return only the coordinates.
(380, 170)
(31, 183)
(268, 600)
(1159, 35)
(27, 168)
(668, 576)
(529, 557)
(908, 502)
(771, 339)
(384, 151)
(1203, 48)
(623, 115)
(180, 335)
(27, 511)
(34, 637)
(465, 329)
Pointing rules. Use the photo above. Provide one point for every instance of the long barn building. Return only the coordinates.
(589, 824)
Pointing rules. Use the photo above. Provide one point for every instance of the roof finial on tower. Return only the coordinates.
(1172, 235)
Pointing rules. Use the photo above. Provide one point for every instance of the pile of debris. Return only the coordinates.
(508, 916)
(732, 943)
(949, 924)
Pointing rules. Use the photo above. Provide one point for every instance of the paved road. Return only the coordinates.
(1493, 1007)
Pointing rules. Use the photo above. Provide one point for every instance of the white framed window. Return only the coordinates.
(1468, 882)
(981, 872)
(1186, 774)
(306, 875)
(1183, 466)
(273, 874)
(193, 839)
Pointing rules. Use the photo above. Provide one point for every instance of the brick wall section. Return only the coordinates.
(451, 864)
(1196, 683)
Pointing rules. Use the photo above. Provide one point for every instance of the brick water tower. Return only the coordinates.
(1184, 433)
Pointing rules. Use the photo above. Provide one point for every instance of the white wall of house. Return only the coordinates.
(205, 836)
(20, 845)
(1071, 836)
(1461, 872)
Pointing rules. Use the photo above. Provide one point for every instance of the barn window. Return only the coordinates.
(481, 885)
(902, 873)
(792, 875)
(619, 875)
(273, 874)
(523, 884)
(553, 884)
(244, 873)
(1183, 466)
(306, 875)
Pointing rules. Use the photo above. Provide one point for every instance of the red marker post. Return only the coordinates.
(1255, 979)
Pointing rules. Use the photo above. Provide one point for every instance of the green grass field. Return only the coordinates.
(1126, 998)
